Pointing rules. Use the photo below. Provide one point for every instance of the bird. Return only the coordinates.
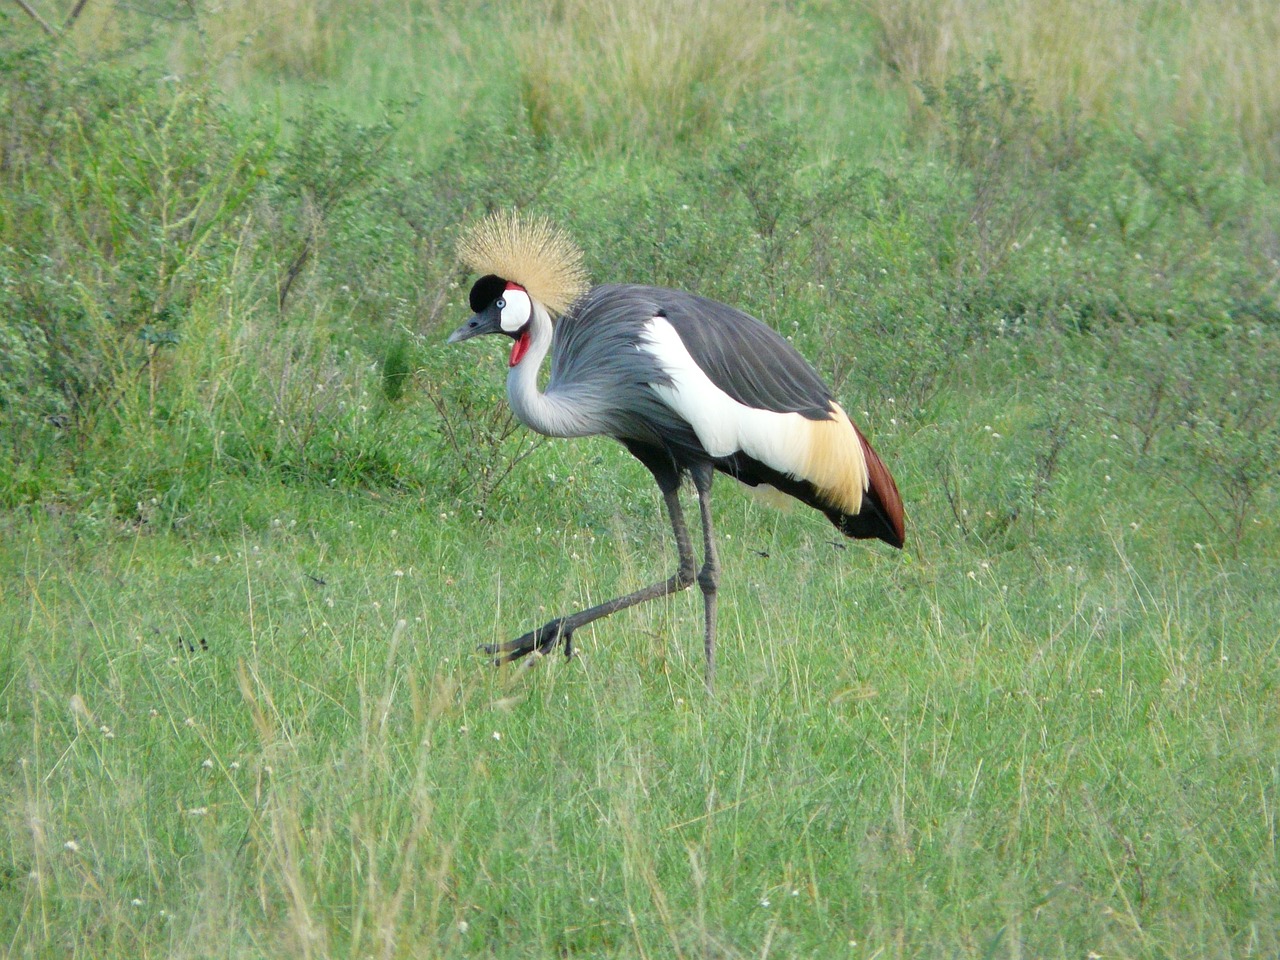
(690, 386)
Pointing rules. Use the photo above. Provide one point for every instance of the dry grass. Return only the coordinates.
(298, 38)
(1155, 63)
(622, 75)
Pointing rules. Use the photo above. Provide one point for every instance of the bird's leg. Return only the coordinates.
(543, 640)
(709, 575)
(561, 629)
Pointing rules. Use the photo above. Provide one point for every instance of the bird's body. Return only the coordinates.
(702, 382)
(688, 385)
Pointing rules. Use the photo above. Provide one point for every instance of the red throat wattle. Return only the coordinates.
(519, 348)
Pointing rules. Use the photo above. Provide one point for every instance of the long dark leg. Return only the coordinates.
(709, 575)
(545, 637)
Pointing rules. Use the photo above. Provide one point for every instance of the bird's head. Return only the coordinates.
(499, 306)
(530, 270)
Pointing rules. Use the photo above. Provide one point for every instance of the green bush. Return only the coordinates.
(212, 294)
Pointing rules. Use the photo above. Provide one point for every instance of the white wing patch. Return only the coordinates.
(827, 453)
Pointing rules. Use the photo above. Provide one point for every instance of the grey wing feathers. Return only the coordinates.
(598, 364)
(745, 358)
(597, 342)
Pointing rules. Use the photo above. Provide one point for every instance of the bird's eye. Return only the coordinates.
(501, 304)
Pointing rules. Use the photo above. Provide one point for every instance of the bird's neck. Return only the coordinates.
(552, 416)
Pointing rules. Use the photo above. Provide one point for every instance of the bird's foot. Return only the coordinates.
(542, 640)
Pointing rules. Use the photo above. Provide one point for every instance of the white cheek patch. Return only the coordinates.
(517, 311)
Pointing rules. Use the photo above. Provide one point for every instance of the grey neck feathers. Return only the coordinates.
(552, 414)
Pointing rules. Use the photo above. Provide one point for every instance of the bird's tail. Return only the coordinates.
(881, 515)
(842, 476)
(853, 486)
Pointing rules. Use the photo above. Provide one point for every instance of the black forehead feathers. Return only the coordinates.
(486, 290)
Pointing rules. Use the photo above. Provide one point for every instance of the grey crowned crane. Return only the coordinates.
(688, 385)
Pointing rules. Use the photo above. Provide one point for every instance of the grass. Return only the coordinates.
(1153, 64)
(283, 742)
(626, 75)
(257, 516)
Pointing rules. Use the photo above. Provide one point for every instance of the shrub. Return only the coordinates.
(1232, 427)
(124, 193)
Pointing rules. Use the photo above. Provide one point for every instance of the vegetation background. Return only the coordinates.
(256, 517)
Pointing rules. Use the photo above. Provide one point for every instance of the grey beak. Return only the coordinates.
(481, 323)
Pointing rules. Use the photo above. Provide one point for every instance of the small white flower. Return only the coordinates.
(72, 846)
(189, 722)
(764, 902)
(137, 902)
(234, 765)
(463, 926)
(198, 812)
(208, 763)
(497, 735)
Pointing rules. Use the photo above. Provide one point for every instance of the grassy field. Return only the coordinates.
(257, 517)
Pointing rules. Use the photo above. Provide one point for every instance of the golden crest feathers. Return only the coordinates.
(534, 253)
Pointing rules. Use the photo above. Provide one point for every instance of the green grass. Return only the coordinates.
(256, 515)
(1049, 747)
